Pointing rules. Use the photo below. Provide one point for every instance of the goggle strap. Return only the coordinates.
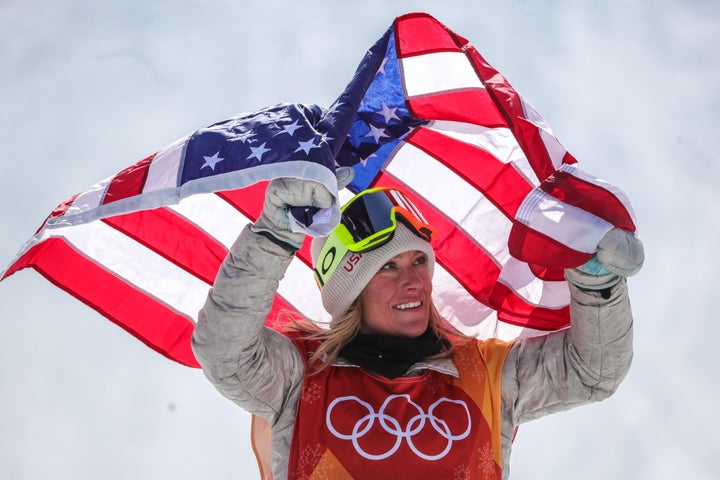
(421, 231)
(402, 201)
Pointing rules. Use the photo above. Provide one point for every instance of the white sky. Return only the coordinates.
(88, 88)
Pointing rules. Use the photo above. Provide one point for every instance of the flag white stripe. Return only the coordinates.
(517, 276)
(224, 224)
(504, 331)
(298, 287)
(138, 265)
(88, 199)
(496, 329)
(569, 225)
(163, 169)
(455, 304)
(421, 78)
(532, 115)
(554, 148)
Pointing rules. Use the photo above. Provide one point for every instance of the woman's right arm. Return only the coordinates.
(252, 365)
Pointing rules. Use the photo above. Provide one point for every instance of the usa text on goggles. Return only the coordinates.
(368, 221)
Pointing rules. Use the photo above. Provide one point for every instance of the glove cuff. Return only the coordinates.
(588, 281)
(287, 239)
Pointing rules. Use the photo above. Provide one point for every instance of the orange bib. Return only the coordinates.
(354, 424)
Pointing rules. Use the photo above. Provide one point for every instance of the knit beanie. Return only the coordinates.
(357, 269)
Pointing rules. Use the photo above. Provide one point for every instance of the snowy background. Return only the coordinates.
(87, 88)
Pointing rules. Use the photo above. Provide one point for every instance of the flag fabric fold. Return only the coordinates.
(276, 141)
(424, 112)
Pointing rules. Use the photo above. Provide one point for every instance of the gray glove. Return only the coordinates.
(284, 193)
(620, 254)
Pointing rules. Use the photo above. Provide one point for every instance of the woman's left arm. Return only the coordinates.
(582, 364)
(586, 362)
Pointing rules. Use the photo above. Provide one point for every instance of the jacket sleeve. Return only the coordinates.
(579, 365)
(252, 365)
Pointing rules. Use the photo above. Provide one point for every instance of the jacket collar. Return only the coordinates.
(440, 365)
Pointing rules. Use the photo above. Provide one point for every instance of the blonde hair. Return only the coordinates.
(346, 327)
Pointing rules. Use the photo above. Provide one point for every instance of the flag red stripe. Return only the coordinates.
(568, 159)
(174, 238)
(151, 321)
(24, 261)
(471, 106)
(128, 182)
(589, 197)
(532, 144)
(547, 274)
(514, 310)
(416, 34)
(500, 182)
(537, 248)
(248, 201)
(60, 210)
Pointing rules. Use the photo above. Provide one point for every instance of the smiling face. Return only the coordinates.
(397, 299)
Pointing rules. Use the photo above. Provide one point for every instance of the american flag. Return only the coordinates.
(424, 112)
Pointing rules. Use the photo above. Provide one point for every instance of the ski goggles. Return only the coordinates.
(367, 222)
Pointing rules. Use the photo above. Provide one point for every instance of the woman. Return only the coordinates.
(389, 391)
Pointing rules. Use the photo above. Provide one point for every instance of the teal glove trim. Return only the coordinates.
(593, 267)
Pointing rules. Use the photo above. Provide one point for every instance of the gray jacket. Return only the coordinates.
(262, 371)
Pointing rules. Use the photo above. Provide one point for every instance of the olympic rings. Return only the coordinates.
(392, 426)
